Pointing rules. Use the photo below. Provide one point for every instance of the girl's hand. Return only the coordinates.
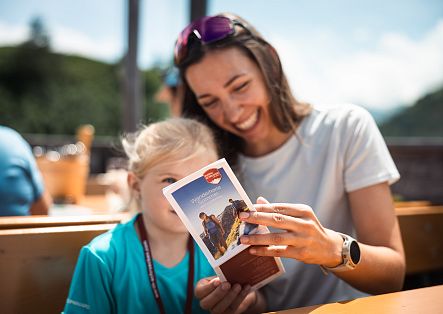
(302, 236)
(222, 297)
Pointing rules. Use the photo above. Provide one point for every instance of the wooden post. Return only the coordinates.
(132, 105)
(198, 9)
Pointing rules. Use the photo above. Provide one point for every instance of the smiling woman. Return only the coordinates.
(334, 161)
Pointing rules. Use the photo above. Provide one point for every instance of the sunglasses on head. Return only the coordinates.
(208, 29)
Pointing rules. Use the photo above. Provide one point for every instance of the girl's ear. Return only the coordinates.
(133, 182)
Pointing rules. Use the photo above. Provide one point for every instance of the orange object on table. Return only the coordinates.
(65, 178)
(65, 173)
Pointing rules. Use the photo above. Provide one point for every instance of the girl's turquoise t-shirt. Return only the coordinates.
(111, 277)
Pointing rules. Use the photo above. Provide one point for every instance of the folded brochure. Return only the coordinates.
(208, 202)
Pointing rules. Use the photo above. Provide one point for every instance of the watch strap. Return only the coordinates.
(347, 262)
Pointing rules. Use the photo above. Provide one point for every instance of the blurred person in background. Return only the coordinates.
(325, 170)
(22, 190)
(171, 92)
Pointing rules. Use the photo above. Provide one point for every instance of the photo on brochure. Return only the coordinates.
(209, 202)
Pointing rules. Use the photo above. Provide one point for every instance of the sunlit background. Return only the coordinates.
(64, 63)
(378, 54)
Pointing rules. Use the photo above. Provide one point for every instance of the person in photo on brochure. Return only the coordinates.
(320, 175)
(150, 264)
(214, 231)
(241, 207)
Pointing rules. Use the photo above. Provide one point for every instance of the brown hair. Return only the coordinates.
(286, 112)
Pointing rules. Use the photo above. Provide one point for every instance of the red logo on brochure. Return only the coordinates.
(212, 176)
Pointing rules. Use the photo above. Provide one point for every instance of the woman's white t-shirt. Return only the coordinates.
(336, 150)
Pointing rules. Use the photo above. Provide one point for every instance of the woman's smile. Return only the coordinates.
(249, 122)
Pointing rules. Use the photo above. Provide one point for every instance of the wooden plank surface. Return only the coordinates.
(422, 234)
(19, 222)
(36, 266)
(422, 203)
(424, 300)
(418, 210)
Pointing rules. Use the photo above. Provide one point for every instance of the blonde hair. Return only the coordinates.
(174, 138)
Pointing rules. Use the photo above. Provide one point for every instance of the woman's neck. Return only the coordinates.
(167, 248)
(275, 141)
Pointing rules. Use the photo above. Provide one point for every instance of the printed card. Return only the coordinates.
(209, 202)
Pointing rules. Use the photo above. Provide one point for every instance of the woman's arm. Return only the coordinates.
(41, 205)
(382, 265)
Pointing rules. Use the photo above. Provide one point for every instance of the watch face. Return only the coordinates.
(355, 252)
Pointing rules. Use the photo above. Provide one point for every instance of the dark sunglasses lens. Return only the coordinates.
(182, 42)
(214, 28)
(209, 28)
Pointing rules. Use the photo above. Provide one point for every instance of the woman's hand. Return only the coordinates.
(382, 264)
(222, 297)
(302, 237)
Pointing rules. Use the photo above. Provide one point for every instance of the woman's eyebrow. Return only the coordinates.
(232, 79)
(203, 96)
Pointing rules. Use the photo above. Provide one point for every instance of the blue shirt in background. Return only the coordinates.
(111, 277)
(20, 181)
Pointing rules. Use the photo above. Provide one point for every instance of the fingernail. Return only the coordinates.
(225, 286)
(244, 215)
(244, 240)
(216, 283)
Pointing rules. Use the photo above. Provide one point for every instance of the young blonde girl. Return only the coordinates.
(144, 265)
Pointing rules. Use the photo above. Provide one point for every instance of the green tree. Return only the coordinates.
(45, 92)
(424, 118)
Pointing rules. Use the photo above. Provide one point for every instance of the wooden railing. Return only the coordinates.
(19, 222)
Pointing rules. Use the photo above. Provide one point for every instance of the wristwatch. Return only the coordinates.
(350, 254)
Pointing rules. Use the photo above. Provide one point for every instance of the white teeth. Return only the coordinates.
(248, 122)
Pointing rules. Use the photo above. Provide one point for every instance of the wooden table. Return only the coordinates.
(88, 205)
(424, 300)
(96, 202)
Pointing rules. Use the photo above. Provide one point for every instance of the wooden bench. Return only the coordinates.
(19, 222)
(37, 264)
(400, 204)
(422, 234)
